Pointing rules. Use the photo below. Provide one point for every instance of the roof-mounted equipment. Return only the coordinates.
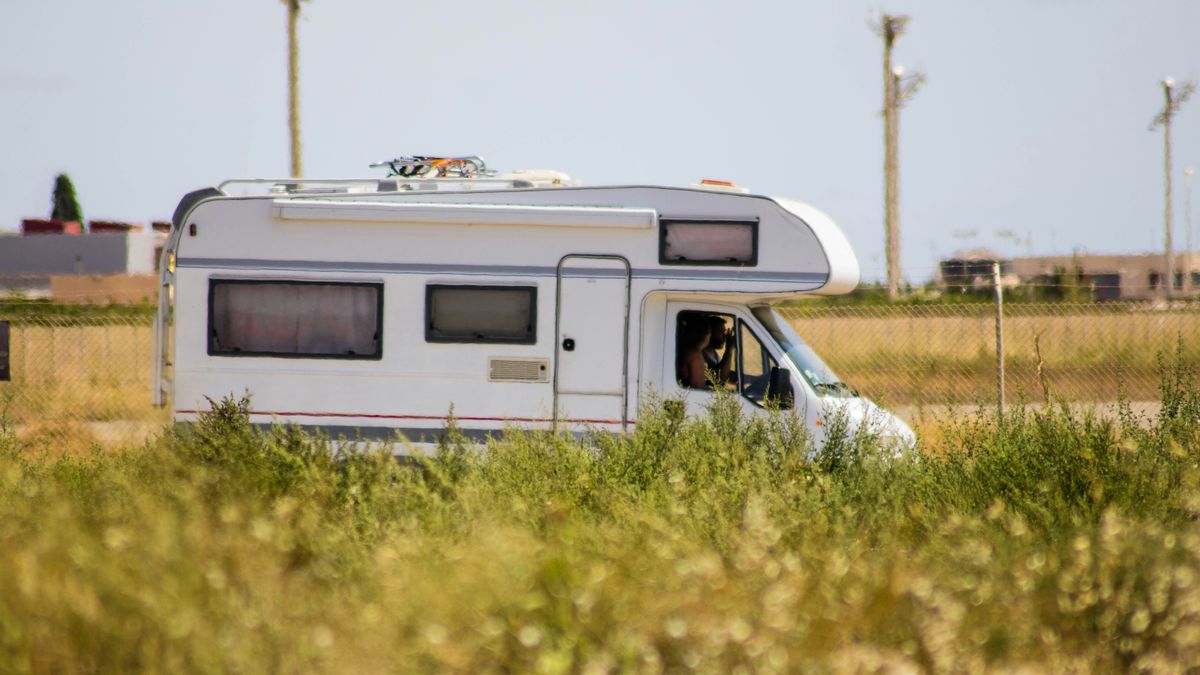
(422, 166)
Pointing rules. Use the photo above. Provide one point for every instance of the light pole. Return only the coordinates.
(1174, 99)
(897, 88)
(889, 28)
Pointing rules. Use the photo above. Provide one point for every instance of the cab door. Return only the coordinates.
(688, 334)
(745, 372)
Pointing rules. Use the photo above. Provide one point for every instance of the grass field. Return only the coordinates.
(1043, 542)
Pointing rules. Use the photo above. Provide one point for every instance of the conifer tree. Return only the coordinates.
(66, 207)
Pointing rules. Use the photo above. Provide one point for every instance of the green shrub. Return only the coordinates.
(1048, 540)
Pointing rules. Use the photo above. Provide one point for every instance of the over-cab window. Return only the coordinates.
(481, 314)
(295, 319)
(708, 242)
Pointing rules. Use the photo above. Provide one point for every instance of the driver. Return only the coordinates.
(719, 337)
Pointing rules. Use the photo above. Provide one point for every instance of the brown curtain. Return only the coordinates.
(283, 318)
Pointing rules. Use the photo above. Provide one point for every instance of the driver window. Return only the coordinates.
(705, 349)
(755, 365)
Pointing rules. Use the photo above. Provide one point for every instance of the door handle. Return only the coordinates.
(568, 345)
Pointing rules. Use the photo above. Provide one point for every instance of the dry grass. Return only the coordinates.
(946, 354)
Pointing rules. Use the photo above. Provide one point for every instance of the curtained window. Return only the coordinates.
(295, 319)
(695, 242)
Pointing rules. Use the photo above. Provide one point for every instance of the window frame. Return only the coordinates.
(664, 222)
(529, 339)
(209, 338)
(741, 355)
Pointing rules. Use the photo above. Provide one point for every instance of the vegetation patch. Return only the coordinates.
(1045, 540)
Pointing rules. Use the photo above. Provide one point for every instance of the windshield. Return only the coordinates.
(818, 375)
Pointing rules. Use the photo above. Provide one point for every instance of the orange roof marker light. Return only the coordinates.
(722, 185)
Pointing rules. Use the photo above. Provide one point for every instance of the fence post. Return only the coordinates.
(999, 338)
(5, 373)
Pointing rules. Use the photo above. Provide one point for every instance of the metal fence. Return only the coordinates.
(78, 380)
(946, 354)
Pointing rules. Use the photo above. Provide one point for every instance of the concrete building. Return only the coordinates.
(47, 248)
(1106, 277)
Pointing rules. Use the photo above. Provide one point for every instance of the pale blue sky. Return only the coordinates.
(1034, 118)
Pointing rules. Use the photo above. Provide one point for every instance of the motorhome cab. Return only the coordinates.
(371, 307)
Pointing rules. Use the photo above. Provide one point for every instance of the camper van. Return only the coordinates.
(380, 307)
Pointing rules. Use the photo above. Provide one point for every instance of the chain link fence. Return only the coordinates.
(80, 380)
(946, 354)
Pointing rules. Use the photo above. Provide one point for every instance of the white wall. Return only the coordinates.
(140, 255)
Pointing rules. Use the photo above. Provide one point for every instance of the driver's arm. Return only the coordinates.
(694, 363)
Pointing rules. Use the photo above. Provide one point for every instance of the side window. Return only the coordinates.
(504, 314)
(754, 365)
(294, 319)
(705, 349)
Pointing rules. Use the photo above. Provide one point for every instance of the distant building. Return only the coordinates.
(974, 269)
(47, 248)
(1105, 277)
(46, 226)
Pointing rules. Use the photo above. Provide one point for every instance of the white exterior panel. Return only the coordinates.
(407, 241)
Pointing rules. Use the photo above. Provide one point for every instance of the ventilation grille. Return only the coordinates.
(519, 370)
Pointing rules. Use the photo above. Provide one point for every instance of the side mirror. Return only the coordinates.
(779, 388)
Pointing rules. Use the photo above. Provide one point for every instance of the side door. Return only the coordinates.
(591, 353)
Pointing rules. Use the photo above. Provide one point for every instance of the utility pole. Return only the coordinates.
(896, 90)
(1187, 219)
(1174, 99)
(293, 9)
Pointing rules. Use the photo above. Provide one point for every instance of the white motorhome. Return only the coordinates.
(363, 308)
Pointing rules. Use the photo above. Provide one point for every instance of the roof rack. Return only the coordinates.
(421, 166)
(300, 187)
(416, 173)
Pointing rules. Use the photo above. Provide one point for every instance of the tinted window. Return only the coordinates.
(295, 319)
(481, 314)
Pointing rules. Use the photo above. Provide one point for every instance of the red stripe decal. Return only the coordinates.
(439, 418)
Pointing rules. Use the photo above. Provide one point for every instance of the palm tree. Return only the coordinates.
(293, 7)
